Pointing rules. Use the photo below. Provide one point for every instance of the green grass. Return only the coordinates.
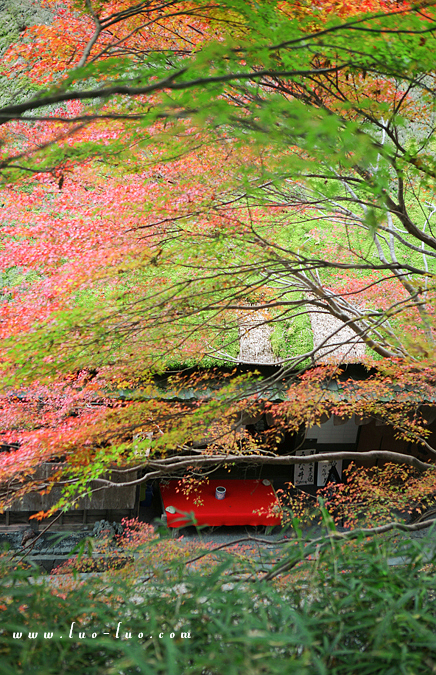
(292, 336)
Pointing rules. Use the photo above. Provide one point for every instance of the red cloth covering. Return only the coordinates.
(241, 506)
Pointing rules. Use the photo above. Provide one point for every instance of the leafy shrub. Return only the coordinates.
(328, 607)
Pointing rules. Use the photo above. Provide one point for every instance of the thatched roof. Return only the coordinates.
(334, 341)
(337, 342)
(254, 340)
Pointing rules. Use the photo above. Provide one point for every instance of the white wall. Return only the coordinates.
(329, 433)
